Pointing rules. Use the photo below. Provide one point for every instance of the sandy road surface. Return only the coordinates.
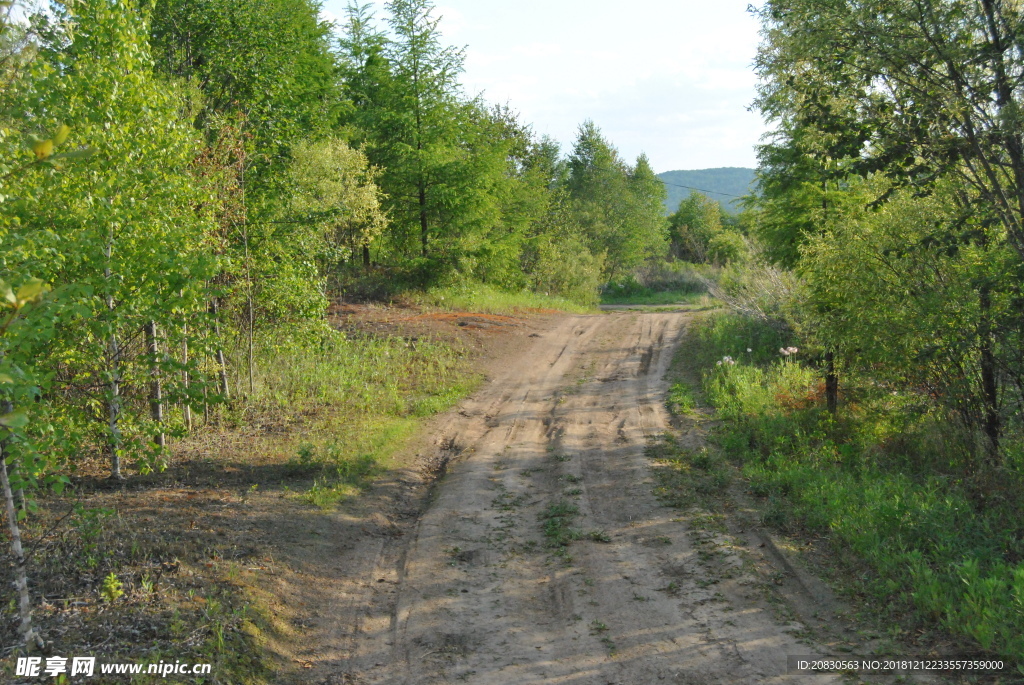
(469, 591)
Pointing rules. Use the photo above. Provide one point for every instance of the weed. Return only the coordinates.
(599, 536)
(680, 399)
(597, 627)
(557, 524)
(570, 478)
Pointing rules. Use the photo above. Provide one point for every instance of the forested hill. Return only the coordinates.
(730, 180)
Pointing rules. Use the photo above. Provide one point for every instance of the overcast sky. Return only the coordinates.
(671, 78)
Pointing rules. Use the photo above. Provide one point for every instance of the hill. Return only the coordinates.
(728, 180)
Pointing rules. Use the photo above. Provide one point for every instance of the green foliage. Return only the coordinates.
(698, 234)
(693, 225)
(116, 233)
(947, 307)
(883, 482)
(267, 60)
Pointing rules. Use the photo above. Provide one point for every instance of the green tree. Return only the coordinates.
(268, 60)
(117, 234)
(693, 225)
(614, 203)
(335, 191)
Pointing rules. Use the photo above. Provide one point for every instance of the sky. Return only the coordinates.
(671, 78)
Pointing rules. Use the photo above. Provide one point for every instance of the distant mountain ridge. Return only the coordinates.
(729, 180)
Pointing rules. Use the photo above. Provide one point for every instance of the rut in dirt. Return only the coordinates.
(553, 451)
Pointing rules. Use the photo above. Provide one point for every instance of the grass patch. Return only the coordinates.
(680, 399)
(345, 468)
(648, 297)
(936, 546)
(326, 371)
(477, 297)
(685, 478)
(358, 399)
(172, 562)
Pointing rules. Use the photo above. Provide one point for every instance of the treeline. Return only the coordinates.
(874, 384)
(186, 183)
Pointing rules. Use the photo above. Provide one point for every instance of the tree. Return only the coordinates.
(934, 87)
(924, 92)
(335, 191)
(697, 220)
(615, 204)
(267, 60)
(417, 127)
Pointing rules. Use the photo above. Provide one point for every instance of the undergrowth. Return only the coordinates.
(883, 482)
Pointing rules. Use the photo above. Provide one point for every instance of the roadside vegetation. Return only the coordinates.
(868, 367)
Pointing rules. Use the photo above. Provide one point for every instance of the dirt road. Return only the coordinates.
(473, 591)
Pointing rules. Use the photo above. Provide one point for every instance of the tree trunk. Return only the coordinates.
(992, 421)
(222, 365)
(366, 255)
(831, 383)
(423, 219)
(185, 379)
(156, 395)
(114, 388)
(28, 633)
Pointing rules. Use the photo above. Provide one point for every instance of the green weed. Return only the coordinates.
(680, 399)
(556, 523)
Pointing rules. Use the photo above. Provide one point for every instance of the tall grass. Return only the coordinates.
(356, 400)
(880, 481)
(375, 376)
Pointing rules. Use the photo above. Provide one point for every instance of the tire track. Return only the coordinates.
(477, 595)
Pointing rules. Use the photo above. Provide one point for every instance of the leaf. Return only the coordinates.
(4, 378)
(43, 149)
(15, 420)
(30, 291)
(62, 134)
